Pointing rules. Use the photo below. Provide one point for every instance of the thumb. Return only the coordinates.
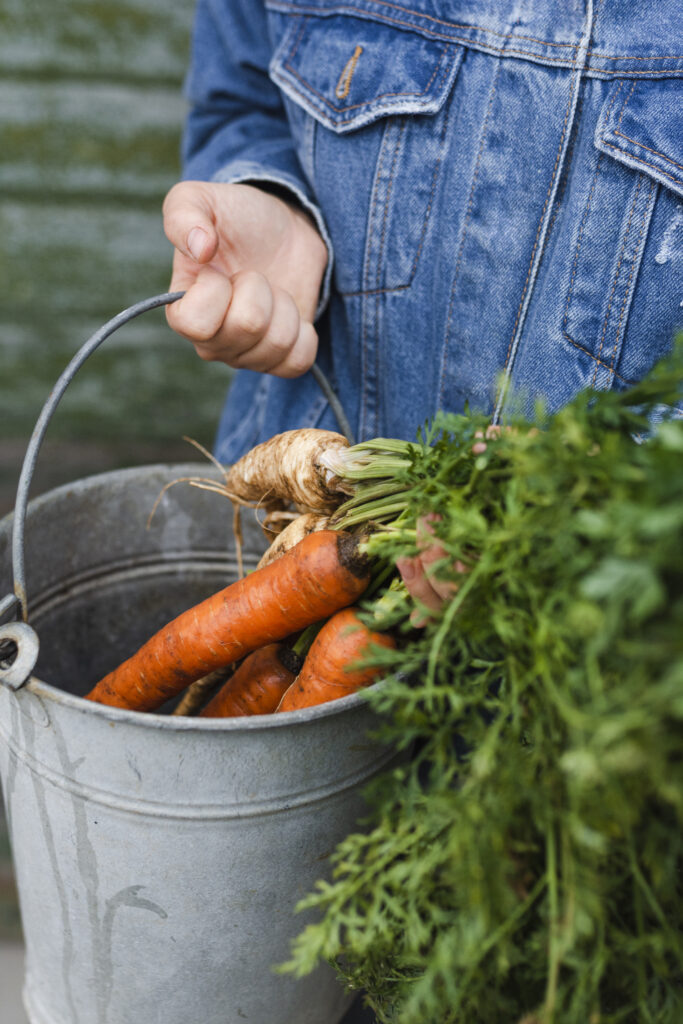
(189, 221)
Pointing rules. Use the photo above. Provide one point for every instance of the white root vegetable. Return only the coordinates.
(289, 467)
(308, 522)
(276, 520)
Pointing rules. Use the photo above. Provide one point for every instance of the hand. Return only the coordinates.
(251, 266)
(418, 574)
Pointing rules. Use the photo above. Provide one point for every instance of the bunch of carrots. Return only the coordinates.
(291, 629)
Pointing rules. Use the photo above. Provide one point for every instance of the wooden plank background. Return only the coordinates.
(90, 120)
(90, 124)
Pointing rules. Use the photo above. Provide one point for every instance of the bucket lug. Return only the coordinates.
(19, 648)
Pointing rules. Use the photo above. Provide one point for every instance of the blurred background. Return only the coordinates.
(90, 124)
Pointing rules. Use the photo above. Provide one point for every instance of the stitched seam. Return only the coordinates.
(632, 74)
(371, 219)
(562, 187)
(464, 39)
(642, 146)
(579, 242)
(491, 32)
(616, 275)
(623, 109)
(599, 361)
(380, 254)
(440, 21)
(540, 223)
(432, 193)
(468, 214)
(297, 41)
(630, 276)
(355, 106)
(606, 56)
(645, 162)
(583, 221)
(390, 185)
(374, 291)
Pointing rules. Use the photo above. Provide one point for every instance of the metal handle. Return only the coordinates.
(17, 638)
(9, 605)
(46, 413)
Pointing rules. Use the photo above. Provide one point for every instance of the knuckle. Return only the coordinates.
(206, 354)
(249, 313)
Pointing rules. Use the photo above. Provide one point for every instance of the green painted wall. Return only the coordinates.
(90, 119)
(90, 124)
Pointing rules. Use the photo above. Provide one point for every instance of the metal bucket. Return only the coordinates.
(159, 858)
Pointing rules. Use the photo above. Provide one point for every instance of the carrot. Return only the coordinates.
(258, 685)
(331, 667)
(323, 573)
(289, 467)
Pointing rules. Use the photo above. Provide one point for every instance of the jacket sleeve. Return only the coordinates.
(237, 128)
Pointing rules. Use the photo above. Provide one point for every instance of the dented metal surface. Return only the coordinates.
(159, 858)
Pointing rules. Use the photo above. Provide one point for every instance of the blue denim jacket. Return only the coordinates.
(500, 186)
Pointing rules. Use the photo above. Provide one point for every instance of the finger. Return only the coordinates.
(184, 273)
(302, 356)
(276, 346)
(250, 314)
(429, 559)
(189, 221)
(417, 584)
(201, 312)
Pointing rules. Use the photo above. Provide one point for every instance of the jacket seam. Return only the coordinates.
(630, 276)
(656, 152)
(567, 61)
(624, 243)
(465, 227)
(579, 241)
(438, 21)
(542, 218)
(491, 32)
(616, 149)
(367, 270)
(600, 362)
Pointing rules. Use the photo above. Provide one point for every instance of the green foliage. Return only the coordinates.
(524, 863)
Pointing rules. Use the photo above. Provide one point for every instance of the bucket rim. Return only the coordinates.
(183, 723)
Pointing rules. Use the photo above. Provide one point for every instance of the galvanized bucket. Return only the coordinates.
(158, 858)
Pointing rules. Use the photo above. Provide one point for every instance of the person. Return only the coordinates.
(441, 204)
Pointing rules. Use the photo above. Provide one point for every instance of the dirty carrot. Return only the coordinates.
(331, 668)
(258, 685)
(323, 573)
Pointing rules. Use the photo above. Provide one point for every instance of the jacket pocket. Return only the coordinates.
(367, 107)
(624, 298)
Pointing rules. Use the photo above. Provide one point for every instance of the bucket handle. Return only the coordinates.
(19, 646)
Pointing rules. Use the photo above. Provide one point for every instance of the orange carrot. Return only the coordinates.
(331, 666)
(258, 685)
(323, 573)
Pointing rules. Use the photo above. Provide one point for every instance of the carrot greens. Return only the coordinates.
(524, 865)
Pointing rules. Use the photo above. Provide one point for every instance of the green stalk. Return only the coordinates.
(373, 510)
(553, 911)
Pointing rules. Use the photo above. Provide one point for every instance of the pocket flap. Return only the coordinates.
(643, 127)
(347, 72)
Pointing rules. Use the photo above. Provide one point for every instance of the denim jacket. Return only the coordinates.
(499, 184)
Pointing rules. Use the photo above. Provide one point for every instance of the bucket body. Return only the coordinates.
(159, 858)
